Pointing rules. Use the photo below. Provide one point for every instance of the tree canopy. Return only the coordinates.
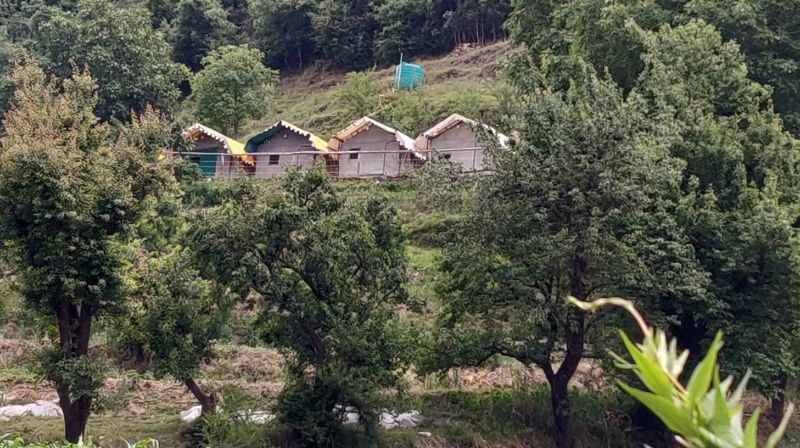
(130, 61)
(71, 200)
(232, 86)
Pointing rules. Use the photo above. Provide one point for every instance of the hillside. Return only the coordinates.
(464, 81)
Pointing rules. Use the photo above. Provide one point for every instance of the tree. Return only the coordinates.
(130, 60)
(400, 25)
(766, 33)
(176, 317)
(582, 206)
(741, 165)
(232, 86)
(742, 192)
(328, 273)
(344, 31)
(162, 12)
(596, 30)
(358, 96)
(200, 26)
(70, 203)
(283, 31)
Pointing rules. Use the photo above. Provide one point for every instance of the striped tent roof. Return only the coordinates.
(316, 142)
(363, 124)
(422, 142)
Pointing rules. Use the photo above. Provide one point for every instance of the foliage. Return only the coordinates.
(741, 197)
(232, 86)
(283, 31)
(329, 273)
(739, 187)
(131, 62)
(175, 317)
(200, 26)
(358, 96)
(599, 31)
(229, 426)
(582, 205)
(410, 112)
(71, 201)
(343, 32)
(703, 412)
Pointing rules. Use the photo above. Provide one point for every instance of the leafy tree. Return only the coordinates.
(344, 31)
(130, 60)
(283, 31)
(200, 26)
(70, 203)
(477, 21)
(597, 30)
(741, 180)
(766, 33)
(400, 25)
(162, 12)
(176, 317)
(238, 12)
(741, 165)
(410, 112)
(232, 86)
(582, 206)
(358, 96)
(329, 272)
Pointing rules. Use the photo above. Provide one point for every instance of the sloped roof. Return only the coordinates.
(232, 146)
(421, 143)
(362, 124)
(316, 142)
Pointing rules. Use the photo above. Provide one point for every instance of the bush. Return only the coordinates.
(231, 425)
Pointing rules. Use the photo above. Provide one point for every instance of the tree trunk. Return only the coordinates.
(76, 415)
(574, 339)
(559, 399)
(208, 403)
(778, 404)
(75, 330)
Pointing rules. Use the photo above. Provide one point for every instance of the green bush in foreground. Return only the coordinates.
(702, 413)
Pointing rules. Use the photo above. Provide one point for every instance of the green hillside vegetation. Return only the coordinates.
(466, 82)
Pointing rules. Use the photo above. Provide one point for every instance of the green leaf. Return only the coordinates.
(672, 416)
(701, 377)
(751, 430)
(649, 370)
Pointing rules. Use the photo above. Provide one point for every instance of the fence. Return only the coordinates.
(339, 164)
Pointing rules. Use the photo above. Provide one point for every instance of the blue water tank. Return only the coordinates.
(408, 76)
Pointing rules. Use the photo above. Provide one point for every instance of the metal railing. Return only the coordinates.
(339, 164)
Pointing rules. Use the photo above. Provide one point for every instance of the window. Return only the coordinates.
(354, 156)
(273, 160)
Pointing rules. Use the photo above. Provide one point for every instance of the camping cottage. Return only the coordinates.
(217, 154)
(370, 148)
(282, 145)
(456, 139)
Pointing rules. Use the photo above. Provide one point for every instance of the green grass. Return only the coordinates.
(105, 431)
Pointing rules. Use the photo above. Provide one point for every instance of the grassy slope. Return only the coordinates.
(307, 99)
